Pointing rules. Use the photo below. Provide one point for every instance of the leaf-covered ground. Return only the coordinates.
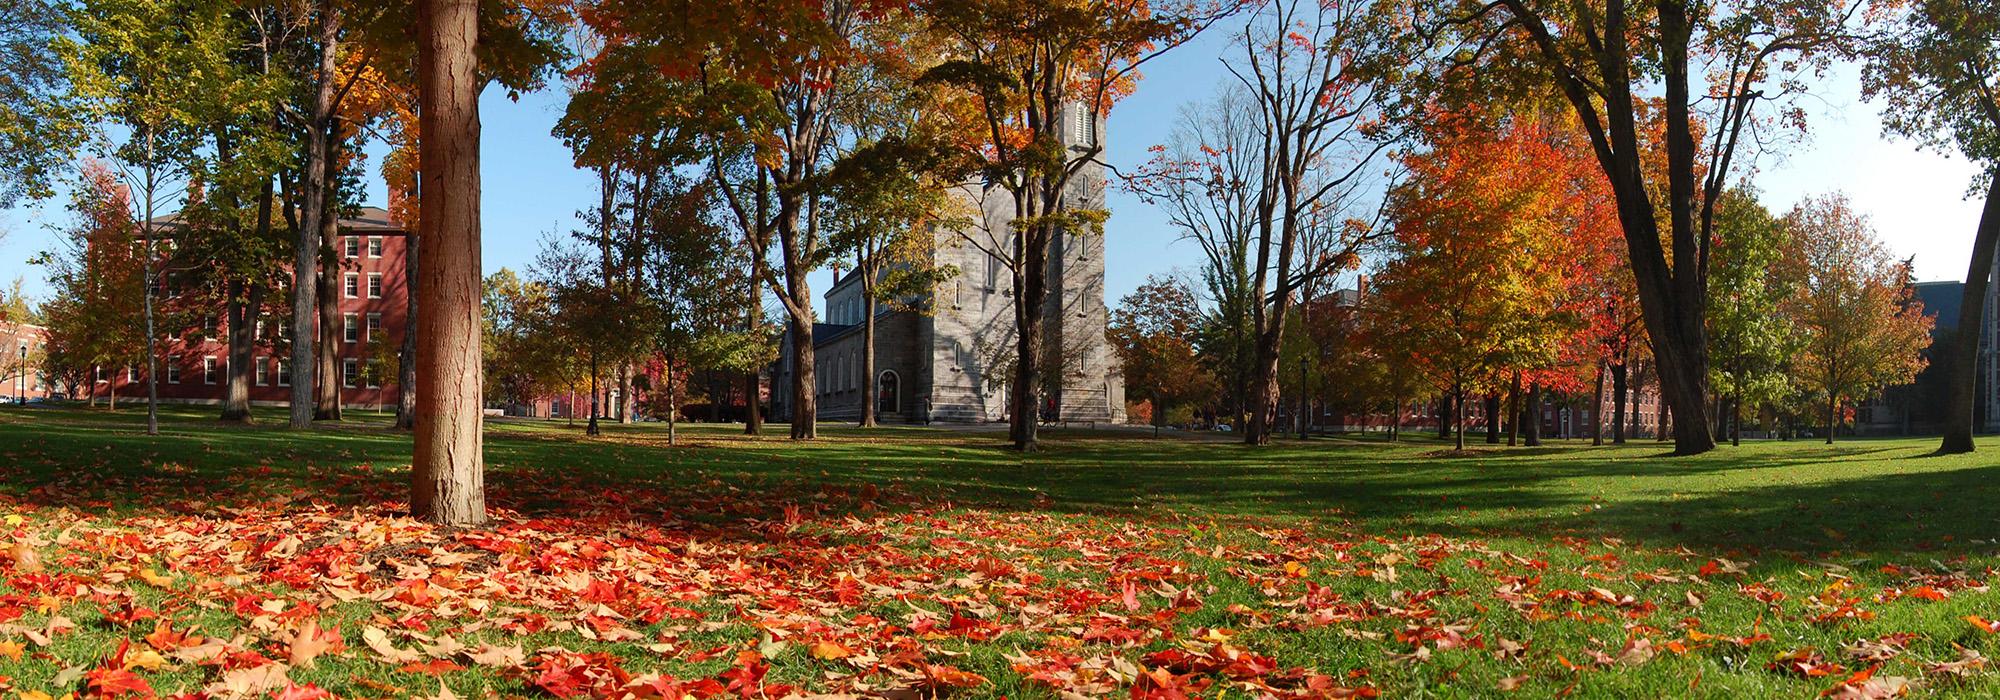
(248, 562)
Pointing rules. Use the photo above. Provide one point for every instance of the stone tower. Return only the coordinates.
(971, 328)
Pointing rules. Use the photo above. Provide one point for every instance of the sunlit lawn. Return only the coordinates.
(916, 561)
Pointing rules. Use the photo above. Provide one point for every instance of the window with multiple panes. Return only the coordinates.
(351, 285)
(263, 372)
(284, 373)
(350, 372)
(353, 246)
(374, 327)
(350, 328)
(374, 374)
(374, 285)
(375, 247)
(173, 369)
(209, 375)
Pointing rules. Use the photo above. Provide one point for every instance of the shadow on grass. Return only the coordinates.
(1856, 499)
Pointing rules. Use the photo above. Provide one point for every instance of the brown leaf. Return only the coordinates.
(26, 560)
(307, 644)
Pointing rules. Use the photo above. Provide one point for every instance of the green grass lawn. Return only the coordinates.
(920, 561)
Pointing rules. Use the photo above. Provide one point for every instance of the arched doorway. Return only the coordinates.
(888, 393)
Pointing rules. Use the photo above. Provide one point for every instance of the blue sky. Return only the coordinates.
(1916, 199)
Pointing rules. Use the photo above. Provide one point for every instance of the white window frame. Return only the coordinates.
(131, 373)
(372, 327)
(375, 246)
(284, 373)
(350, 285)
(208, 371)
(97, 374)
(350, 373)
(263, 372)
(374, 380)
(350, 329)
(375, 285)
(351, 245)
(173, 369)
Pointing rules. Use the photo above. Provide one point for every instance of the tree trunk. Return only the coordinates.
(1458, 415)
(305, 263)
(591, 427)
(625, 402)
(241, 312)
(1964, 370)
(333, 333)
(449, 481)
(1620, 389)
(1666, 415)
(1514, 412)
(805, 403)
(1493, 417)
(1265, 411)
(406, 378)
(1031, 248)
(1533, 417)
(149, 277)
(753, 309)
(1597, 408)
(1396, 422)
(1444, 415)
(798, 307)
(1721, 418)
(1736, 422)
(869, 386)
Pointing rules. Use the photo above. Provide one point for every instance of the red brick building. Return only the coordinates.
(20, 377)
(373, 301)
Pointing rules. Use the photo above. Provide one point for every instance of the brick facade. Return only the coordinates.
(373, 301)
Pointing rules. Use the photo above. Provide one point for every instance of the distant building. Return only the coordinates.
(21, 377)
(373, 302)
(953, 363)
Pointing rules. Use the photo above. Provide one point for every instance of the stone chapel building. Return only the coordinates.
(954, 363)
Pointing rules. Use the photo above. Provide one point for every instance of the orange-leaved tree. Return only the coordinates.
(1726, 74)
(1862, 325)
(1493, 229)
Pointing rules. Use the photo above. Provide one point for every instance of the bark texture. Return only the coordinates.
(313, 192)
(1965, 343)
(406, 376)
(448, 484)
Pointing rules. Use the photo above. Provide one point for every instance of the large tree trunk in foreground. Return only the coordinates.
(448, 484)
(305, 264)
(406, 376)
(1964, 378)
